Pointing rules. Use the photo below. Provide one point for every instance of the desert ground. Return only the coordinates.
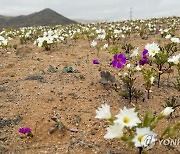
(34, 90)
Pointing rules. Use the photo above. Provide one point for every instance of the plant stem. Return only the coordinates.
(159, 75)
(130, 94)
(148, 94)
(140, 150)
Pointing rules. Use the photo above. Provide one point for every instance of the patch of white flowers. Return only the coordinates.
(127, 120)
(94, 43)
(174, 59)
(3, 41)
(175, 40)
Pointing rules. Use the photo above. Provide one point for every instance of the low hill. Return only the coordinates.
(46, 17)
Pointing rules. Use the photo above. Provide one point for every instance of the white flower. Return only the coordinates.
(137, 27)
(168, 36)
(45, 34)
(1, 38)
(128, 117)
(166, 30)
(61, 38)
(167, 111)
(119, 74)
(5, 42)
(125, 74)
(138, 68)
(103, 112)
(94, 43)
(117, 31)
(128, 66)
(114, 131)
(98, 31)
(175, 40)
(144, 137)
(174, 59)
(101, 36)
(152, 79)
(135, 53)
(153, 49)
(50, 32)
(105, 46)
(49, 40)
(40, 41)
(123, 36)
(35, 43)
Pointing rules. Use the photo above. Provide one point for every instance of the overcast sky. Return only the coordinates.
(94, 9)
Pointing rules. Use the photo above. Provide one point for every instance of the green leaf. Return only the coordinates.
(128, 139)
(166, 131)
(69, 69)
(52, 69)
(148, 119)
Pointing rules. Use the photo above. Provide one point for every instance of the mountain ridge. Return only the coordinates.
(45, 17)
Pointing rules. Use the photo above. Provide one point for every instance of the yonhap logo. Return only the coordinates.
(170, 141)
(150, 140)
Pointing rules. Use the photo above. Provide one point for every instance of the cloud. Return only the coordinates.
(94, 9)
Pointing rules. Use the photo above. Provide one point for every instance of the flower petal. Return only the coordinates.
(144, 53)
(119, 65)
(115, 57)
(114, 63)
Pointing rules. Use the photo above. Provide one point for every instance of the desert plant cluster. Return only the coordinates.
(110, 87)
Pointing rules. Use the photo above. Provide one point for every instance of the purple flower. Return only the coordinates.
(144, 58)
(145, 52)
(95, 61)
(119, 61)
(143, 61)
(24, 130)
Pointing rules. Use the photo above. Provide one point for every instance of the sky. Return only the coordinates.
(109, 10)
